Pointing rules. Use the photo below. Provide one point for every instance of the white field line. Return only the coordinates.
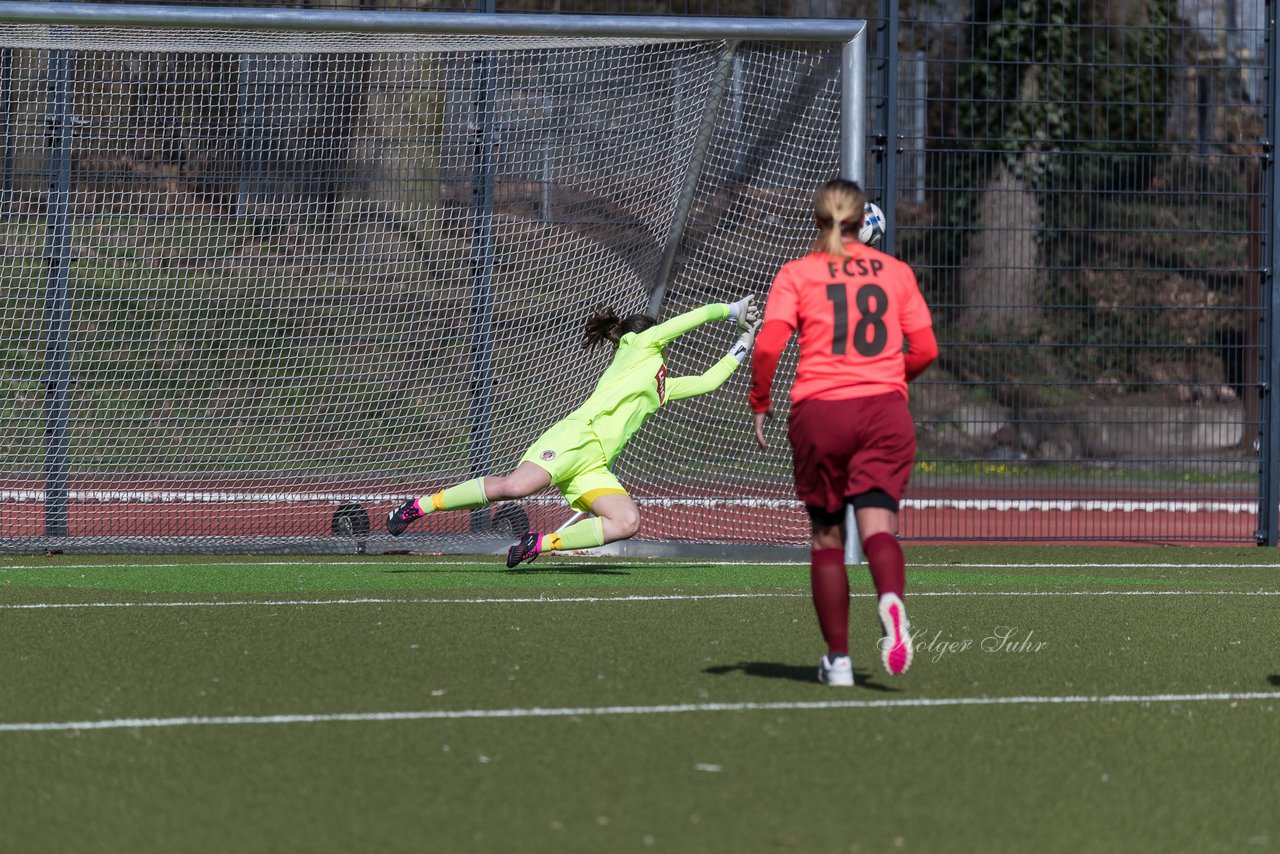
(609, 711)
(570, 600)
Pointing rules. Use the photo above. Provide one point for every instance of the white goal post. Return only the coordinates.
(267, 272)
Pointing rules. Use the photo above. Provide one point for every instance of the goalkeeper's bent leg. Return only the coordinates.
(619, 517)
(585, 534)
(467, 495)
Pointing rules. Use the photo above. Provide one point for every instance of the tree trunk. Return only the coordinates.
(1002, 280)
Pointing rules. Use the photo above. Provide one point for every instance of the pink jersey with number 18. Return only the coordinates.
(852, 315)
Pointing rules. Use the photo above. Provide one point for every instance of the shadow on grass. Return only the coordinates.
(438, 570)
(568, 570)
(1274, 678)
(498, 567)
(793, 672)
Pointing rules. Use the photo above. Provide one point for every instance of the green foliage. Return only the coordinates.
(1063, 109)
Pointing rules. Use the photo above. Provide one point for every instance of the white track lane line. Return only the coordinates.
(608, 711)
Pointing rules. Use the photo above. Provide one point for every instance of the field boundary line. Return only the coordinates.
(578, 600)
(608, 711)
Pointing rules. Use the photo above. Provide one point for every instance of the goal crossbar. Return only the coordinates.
(518, 27)
(515, 23)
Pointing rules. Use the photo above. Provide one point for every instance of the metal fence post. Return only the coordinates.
(887, 141)
(57, 312)
(483, 251)
(1269, 411)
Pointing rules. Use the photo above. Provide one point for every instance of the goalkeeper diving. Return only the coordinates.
(575, 454)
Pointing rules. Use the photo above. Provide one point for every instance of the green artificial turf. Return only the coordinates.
(1061, 699)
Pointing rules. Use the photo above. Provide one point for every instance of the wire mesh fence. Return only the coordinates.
(1084, 191)
(1080, 193)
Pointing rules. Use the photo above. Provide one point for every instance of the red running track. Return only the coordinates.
(936, 522)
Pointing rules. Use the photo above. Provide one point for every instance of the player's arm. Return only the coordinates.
(771, 342)
(744, 313)
(781, 319)
(669, 330)
(679, 388)
(922, 350)
(917, 329)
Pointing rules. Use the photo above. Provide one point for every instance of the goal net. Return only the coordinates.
(258, 287)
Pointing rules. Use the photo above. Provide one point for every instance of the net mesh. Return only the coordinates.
(307, 282)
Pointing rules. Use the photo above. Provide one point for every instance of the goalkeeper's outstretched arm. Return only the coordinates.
(744, 313)
(679, 388)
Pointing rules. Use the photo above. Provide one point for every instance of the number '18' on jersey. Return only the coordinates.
(852, 315)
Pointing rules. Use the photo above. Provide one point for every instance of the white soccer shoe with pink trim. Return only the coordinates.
(895, 645)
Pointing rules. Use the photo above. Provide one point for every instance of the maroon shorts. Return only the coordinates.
(845, 448)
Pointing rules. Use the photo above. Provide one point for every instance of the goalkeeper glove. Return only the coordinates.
(744, 312)
(742, 346)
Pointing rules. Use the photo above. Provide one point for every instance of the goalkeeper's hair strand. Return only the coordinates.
(605, 325)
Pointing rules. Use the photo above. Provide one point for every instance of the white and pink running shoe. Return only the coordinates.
(895, 645)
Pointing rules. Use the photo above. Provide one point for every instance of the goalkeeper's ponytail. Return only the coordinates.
(605, 325)
(838, 207)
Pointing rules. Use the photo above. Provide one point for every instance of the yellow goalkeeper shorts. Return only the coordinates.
(574, 457)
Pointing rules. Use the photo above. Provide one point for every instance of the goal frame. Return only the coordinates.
(850, 35)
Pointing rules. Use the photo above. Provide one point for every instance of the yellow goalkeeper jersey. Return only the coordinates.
(636, 382)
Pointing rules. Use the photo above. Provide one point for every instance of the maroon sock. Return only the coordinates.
(888, 566)
(830, 584)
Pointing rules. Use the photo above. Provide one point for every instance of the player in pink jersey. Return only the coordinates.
(864, 333)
